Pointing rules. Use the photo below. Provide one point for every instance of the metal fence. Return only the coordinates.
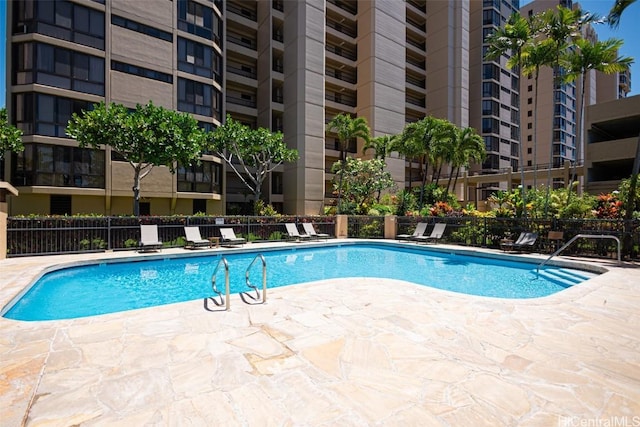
(489, 232)
(58, 235)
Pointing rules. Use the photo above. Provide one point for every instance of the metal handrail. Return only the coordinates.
(579, 236)
(264, 280)
(224, 300)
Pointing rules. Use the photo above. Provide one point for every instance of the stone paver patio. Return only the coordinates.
(337, 352)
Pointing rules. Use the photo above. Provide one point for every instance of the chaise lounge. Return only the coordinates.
(194, 239)
(436, 234)
(525, 241)
(149, 240)
(311, 231)
(294, 234)
(421, 227)
(228, 238)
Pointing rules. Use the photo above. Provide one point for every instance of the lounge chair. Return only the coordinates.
(525, 240)
(436, 234)
(310, 230)
(228, 237)
(194, 239)
(149, 238)
(294, 234)
(421, 227)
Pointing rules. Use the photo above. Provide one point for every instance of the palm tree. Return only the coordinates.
(383, 146)
(468, 147)
(511, 39)
(559, 26)
(347, 129)
(616, 12)
(600, 56)
(535, 54)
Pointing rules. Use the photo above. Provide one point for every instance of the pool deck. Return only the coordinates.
(338, 352)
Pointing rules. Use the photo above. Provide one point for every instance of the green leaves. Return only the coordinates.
(10, 136)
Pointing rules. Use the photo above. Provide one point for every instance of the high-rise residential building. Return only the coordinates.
(494, 93)
(64, 56)
(286, 65)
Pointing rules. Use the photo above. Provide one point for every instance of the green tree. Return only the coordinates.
(251, 154)
(536, 54)
(360, 181)
(510, 40)
(586, 56)
(10, 136)
(619, 6)
(468, 147)
(383, 146)
(347, 129)
(146, 137)
(560, 27)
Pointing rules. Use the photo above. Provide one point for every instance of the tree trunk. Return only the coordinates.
(627, 240)
(455, 182)
(574, 172)
(342, 160)
(535, 131)
(136, 190)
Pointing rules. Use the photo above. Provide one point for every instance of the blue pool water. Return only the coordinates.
(119, 286)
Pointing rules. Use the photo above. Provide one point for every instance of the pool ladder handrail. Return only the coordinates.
(579, 236)
(223, 300)
(264, 280)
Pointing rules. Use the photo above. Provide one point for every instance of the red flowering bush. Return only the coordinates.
(608, 206)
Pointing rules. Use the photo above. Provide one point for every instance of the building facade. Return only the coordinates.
(64, 56)
(286, 65)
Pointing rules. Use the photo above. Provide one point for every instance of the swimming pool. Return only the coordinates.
(114, 286)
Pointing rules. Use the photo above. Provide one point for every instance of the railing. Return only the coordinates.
(257, 298)
(238, 10)
(342, 51)
(223, 300)
(242, 101)
(351, 7)
(344, 29)
(581, 236)
(242, 41)
(239, 71)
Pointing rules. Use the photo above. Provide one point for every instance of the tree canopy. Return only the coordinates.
(251, 154)
(145, 137)
(10, 136)
(361, 181)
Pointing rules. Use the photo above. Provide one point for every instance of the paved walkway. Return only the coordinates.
(335, 352)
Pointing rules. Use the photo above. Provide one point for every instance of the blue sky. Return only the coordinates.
(628, 30)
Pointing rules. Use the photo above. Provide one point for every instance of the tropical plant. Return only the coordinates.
(359, 181)
(511, 39)
(467, 147)
(347, 129)
(10, 136)
(383, 146)
(146, 137)
(251, 154)
(586, 56)
(616, 11)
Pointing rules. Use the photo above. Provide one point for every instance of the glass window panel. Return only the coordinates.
(81, 66)
(63, 14)
(81, 19)
(96, 69)
(45, 158)
(96, 19)
(46, 108)
(45, 58)
(63, 62)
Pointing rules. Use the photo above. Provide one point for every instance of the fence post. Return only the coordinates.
(342, 226)
(109, 233)
(390, 226)
(5, 189)
(484, 233)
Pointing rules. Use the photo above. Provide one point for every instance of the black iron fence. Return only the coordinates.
(490, 232)
(57, 235)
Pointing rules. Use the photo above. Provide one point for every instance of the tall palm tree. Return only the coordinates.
(347, 129)
(418, 139)
(616, 12)
(560, 26)
(468, 147)
(535, 54)
(586, 56)
(383, 146)
(511, 39)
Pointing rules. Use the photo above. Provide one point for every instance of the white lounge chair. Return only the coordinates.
(310, 230)
(228, 237)
(421, 227)
(436, 234)
(149, 238)
(526, 241)
(294, 234)
(194, 239)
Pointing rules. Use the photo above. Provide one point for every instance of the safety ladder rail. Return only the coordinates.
(580, 236)
(264, 280)
(223, 300)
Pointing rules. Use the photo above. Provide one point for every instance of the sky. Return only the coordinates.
(629, 31)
